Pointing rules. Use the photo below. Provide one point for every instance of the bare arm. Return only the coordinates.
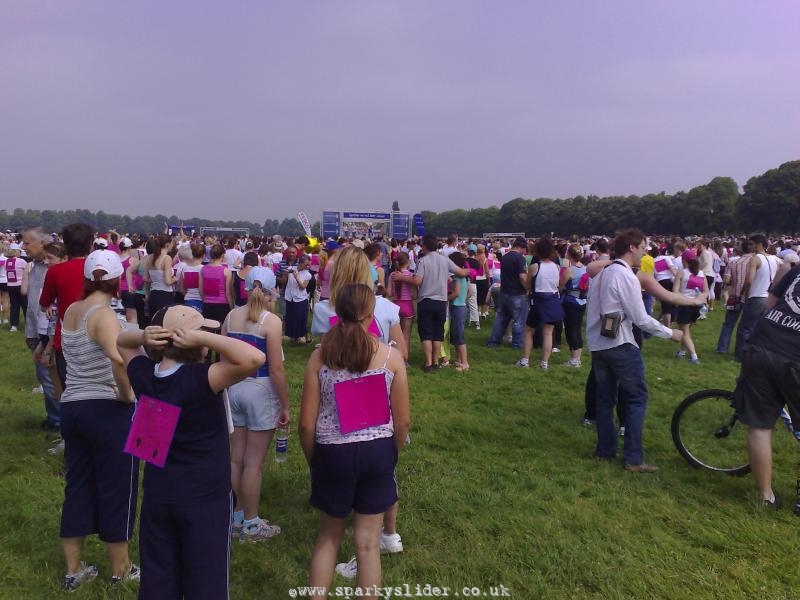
(277, 372)
(652, 286)
(166, 267)
(396, 336)
(752, 266)
(229, 287)
(104, 328)
(309, 405)
(398, 397)
(238, 358)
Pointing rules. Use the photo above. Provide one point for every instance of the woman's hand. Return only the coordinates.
(284, 418)
(155, 336)
(188, 338)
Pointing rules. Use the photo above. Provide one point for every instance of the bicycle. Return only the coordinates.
(708, 433)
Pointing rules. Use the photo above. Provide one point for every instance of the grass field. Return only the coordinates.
(496, 489)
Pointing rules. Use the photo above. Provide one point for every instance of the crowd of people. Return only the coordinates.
(125, 330)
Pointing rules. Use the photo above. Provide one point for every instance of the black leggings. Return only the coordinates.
(573, 324)
(18, 303)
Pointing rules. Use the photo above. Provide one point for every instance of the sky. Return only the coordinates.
(256, 110)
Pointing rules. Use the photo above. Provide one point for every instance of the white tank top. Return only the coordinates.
(763, 278)
(547, 278)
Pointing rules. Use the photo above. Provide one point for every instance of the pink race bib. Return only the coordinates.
(152, 430)
(661, 265)
(362, 402)
(695, 282)
(191, 279)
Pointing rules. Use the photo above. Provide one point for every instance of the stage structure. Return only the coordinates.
(225, 231)
(349, 224)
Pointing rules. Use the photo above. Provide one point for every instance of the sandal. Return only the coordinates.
(462, 368)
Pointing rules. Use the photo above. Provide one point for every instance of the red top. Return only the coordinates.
(63, 284)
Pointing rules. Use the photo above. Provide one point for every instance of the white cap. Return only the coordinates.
(103, 260)
(101, 242)
(263, 275)
(125, 242)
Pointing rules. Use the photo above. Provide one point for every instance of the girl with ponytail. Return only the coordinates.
(354, 418)
(258, 403)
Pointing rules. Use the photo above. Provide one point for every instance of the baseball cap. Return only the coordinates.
(125, 242)
(103, 260)
(789, 256)
(14, 246)
(101, 242)
(182, 317)
(472, 248)
(331, 245)
(261, 274)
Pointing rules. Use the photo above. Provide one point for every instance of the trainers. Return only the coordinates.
(236, 530)
(12, 329)
(133, 574)
(680, 354)
(72, 581)
(508, 338)
(391, 543)
(37, 390)
(588, 423)
(641, 468)
(622, 431)
(264, 530)
(694, 361)
(522, 363)
(543, 366)
(57, 447)
(477, 326)
(556, 350)
(775, 504)
(348, 569)
(573, 362)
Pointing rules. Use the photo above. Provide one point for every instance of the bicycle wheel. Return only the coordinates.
(708, 434)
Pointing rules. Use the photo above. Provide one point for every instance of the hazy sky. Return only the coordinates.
(255, 110)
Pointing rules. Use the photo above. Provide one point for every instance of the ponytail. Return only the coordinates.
(348, 345)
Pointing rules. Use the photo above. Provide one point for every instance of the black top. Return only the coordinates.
(779, 329)
(199, 462)
(512, 264)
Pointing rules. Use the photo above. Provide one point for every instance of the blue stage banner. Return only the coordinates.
(400, 226)
(419, 225)
(330, 224)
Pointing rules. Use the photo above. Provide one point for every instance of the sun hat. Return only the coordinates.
(182, 317)
(263, 275)
(103, 260)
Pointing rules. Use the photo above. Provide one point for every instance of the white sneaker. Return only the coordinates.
(13, 329)
(37, 390)
(508, 338)
(72, 581)
(57, 447)
(556, 350)
(477, 326)
(522, 363)
(133, 574)
(348, 569)
(391, 543)
(264, 530)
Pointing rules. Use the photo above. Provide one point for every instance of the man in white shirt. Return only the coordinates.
(761, 270)
(617, 359)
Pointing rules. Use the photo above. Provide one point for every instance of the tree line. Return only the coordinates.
(770, 203)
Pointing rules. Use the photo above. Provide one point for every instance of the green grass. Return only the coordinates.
(496, 488)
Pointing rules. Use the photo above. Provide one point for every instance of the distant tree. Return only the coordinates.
(771, 201)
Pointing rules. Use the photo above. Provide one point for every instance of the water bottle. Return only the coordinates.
(281, 444)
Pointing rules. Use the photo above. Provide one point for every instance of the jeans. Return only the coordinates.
(515, 310)
(52, 407)
(751, 312)
(622, 368)
(726, 333)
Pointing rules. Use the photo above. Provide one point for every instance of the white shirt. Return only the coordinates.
(616, 289)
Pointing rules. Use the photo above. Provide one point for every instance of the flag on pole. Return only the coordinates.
(304, 222)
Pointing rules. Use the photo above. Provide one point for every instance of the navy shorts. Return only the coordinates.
(766, 382)
(102, 481)
(128, 300)
(688, 315)
(357, 476)
(431, 315)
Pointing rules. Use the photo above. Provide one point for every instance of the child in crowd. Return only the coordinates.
(187, 506)
(458, 313)
(352, 460)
